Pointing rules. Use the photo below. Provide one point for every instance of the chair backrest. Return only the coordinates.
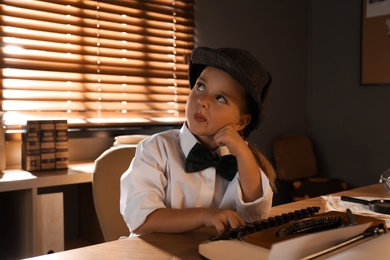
(294, 157)
(109, 167)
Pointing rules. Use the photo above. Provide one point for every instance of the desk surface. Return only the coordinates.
(183, 246)
(17, 179)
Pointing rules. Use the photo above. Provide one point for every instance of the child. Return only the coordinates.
(166, 190)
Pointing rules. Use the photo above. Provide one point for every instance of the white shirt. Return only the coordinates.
(156, 179)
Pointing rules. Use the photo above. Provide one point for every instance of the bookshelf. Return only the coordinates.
(33, 204)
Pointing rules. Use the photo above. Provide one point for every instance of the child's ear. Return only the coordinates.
(244, 121)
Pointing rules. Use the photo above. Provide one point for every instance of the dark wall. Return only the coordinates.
(312, 49)
(276, 32)
(349, 121)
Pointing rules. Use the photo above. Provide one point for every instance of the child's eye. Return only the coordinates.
(221, 99)
(200, 87)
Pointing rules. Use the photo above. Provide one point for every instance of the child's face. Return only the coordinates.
(215, 101)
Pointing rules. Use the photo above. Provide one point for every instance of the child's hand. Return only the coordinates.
(229, 137)
(222, 219)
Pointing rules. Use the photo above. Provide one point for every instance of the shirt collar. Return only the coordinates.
(187, 139)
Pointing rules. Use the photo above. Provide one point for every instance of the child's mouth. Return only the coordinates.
(199, 117)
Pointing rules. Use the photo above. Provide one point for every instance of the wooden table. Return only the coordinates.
(375, 190)
(183, 246)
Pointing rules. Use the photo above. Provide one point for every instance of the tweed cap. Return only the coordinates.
(242, 66)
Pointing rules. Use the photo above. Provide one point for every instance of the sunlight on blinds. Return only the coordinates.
(95, 62)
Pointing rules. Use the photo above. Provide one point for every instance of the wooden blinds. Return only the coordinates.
(95, 62)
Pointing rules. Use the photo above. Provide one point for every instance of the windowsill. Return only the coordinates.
(104, 130)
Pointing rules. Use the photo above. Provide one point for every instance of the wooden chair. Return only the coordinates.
(297, 170)
(109, 167)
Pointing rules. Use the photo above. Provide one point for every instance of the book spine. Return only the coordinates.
(62, 152)
(31, 159)
(48, 147)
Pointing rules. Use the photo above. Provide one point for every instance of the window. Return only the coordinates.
(95, 62)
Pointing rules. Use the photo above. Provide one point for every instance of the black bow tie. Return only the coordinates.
(199, 158)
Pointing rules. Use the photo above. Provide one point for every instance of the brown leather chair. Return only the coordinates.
(109, 167)
(297, 170)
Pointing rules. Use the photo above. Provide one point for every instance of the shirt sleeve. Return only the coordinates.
(258, 209)
(142, 186)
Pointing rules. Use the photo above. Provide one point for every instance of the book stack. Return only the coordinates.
(45, 145)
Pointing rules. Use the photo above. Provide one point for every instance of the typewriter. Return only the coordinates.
(254, 240)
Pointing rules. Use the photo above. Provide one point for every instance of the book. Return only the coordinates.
(61, 140)
(31, 146)
(48, 145)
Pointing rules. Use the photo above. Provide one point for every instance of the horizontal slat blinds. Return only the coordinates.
(107, 61)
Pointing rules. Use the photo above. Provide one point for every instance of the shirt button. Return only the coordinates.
(208, 180)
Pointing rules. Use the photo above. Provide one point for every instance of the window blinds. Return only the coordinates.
(95, 62)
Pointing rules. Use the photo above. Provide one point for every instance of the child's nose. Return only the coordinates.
(203, 102)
